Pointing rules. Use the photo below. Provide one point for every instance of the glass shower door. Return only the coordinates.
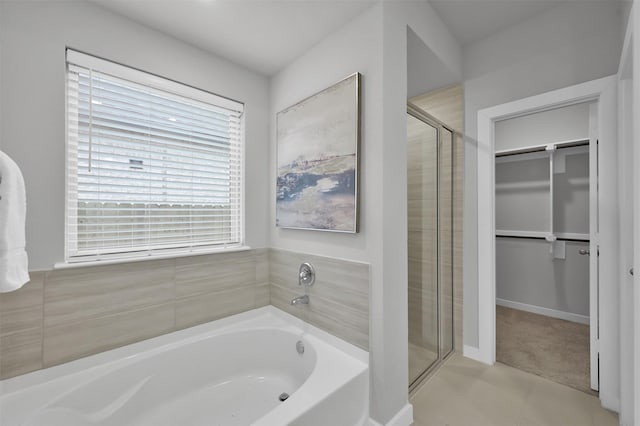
(422, 196)
(430, 242)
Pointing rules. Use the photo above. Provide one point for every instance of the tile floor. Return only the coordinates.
(467, 393)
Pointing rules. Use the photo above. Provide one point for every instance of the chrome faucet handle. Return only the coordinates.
(306, 274)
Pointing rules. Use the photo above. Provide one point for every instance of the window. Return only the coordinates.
(153, 166)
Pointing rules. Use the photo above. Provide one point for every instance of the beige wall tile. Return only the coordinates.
(216, 272)
(281, 297)
(20, 353)
(262, 295)
(84, 293)
(340, 320)
(283, 267)
(446, 104)
(75, 340)
(339, 298)
(212, 306)
(262, 266)
(22, 309)
(338, 280)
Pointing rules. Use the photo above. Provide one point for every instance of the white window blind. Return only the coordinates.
(153, 166)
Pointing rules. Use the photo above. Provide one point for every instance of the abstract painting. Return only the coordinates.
(317, 160)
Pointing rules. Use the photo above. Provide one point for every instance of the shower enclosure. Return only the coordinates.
(430, 242)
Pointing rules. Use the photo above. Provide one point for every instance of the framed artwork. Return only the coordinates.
(318, 141)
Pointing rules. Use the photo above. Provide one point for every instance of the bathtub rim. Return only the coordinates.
(112, 359)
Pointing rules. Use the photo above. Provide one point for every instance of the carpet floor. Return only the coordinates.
(548, 347)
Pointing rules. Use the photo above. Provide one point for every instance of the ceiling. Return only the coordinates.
(470, 20)
(262, 35)
(267, 35)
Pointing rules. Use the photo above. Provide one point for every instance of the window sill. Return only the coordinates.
(114, 261)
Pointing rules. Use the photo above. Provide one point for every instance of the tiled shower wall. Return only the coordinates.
(66, 314)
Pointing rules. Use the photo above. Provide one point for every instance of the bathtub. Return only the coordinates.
(229, 372)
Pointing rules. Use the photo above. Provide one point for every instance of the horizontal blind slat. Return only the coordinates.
(103, 148)
(104, 100)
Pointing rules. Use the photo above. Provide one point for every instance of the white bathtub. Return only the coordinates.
(228, 372)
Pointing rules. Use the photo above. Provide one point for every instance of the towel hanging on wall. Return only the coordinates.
(13, 207)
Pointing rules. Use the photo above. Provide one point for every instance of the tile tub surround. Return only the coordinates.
(339, 299)
(66, 314)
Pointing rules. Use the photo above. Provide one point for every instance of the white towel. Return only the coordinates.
(13, 208)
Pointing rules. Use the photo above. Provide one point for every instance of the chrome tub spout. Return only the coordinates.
(300, 300)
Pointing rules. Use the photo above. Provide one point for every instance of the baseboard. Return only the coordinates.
(473, 353)
(612, 404)
(404, 417)
(568, 316)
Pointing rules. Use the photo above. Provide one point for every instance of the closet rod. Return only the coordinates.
(576, 240)
(538, 148)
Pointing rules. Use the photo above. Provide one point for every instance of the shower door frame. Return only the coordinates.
(430, 120)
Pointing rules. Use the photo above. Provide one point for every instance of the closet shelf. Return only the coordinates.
(543, 147)
(537, 235)
(539, 155)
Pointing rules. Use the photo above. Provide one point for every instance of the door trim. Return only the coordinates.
(602, 91)
(594, 244)
(629, 408)
(632, 30)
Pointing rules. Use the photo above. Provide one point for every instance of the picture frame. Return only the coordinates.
(317, 160)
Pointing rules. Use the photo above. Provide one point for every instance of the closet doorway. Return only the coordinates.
(545, 250)
(430, 242)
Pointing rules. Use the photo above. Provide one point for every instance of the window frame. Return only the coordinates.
(173, 87)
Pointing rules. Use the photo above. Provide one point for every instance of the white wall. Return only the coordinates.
(425, 71)
(553, 126)
(33, 37)
(1, 72)
(354, 48)
(390, 293)
(528, 274)
(572, 43)
(374, 44)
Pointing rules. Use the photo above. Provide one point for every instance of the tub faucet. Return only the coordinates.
(300, 300)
